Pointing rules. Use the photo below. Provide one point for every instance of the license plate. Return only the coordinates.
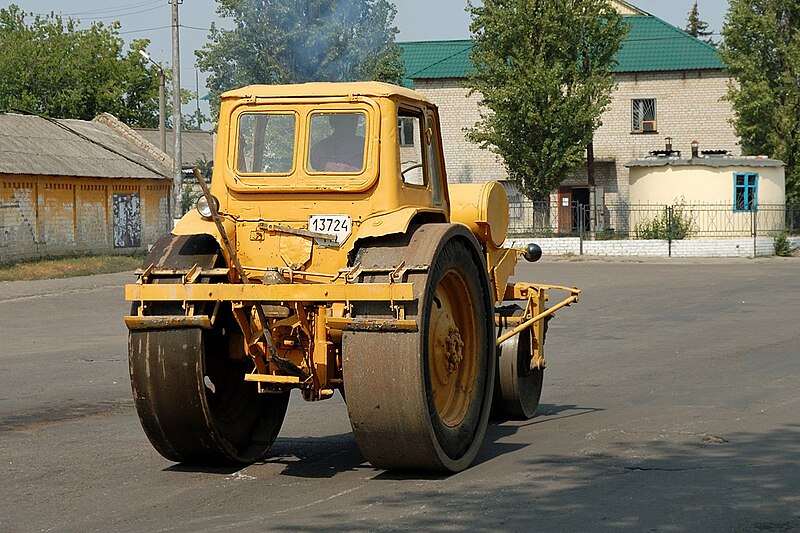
(338, 227)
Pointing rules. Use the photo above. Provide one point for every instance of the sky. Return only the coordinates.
(417, 20)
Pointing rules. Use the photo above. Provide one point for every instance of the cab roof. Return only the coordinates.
(326, 89)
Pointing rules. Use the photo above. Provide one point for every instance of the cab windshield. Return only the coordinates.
(337, 142)
(266, 143)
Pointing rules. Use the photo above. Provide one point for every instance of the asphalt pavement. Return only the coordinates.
(671, 403)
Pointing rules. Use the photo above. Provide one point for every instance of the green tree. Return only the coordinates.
(290, 41)
(761, 48)
(696, 27)
(53, 68)
(544, 71)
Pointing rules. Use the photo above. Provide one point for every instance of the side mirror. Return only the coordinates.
(532, 253)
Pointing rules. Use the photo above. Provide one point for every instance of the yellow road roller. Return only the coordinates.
(329, 253)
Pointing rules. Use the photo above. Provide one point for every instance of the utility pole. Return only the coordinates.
(177, 159)
(197, 95)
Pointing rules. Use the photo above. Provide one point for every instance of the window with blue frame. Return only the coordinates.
(745, 191)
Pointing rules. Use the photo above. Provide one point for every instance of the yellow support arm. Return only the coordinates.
(520, 291)
(221, 292)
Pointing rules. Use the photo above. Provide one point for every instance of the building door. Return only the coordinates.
(580, 209)
(573, 209)
(564, 210)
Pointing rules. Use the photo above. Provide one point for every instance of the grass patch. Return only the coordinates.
(68, 267)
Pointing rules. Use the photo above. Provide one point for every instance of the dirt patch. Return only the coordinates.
(67, 267)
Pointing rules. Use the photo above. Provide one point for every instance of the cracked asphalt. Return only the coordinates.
(671, 403)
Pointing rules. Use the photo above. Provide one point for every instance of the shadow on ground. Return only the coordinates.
(744, 482)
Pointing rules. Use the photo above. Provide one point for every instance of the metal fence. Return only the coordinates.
(649, 221)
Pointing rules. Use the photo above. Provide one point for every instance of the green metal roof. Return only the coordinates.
(652, 45)
(437, 59)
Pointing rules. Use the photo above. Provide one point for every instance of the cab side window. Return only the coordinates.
(434, 162)
(410, 133)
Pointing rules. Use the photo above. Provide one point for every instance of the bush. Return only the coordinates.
(783, 247)
(662, 228)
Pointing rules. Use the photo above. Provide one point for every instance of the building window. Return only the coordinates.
(405, 130)
(643, 115)
(745, 192)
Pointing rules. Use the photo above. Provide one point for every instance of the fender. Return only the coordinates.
(396, 221)
(193, 224)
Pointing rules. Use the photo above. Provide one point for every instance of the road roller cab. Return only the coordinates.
(330, 254)
(304, 172)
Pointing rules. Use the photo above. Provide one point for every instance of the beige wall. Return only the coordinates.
(713, 188)
(625, 9)
(689, 107)
(465, 161)
(702, 185)
(47, 216)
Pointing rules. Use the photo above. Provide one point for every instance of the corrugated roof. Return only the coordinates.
(38, 146)
(195, 145)
(652, 45)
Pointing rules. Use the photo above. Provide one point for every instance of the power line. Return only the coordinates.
(107, 10)
(144, 30)
(128, 14)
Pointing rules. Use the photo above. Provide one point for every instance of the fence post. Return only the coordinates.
(754, 217)
(669, 230)
(581, 223)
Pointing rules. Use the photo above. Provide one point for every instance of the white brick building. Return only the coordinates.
(669, 84)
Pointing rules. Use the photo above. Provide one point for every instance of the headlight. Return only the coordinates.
(204, 208)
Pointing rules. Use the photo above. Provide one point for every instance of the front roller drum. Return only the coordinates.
(195, 406)
(420, 400)
(518, 387)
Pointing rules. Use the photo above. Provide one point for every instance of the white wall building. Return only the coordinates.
(669, 85)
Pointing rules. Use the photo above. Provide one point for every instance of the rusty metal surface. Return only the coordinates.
(179, 253)
(181, 272)
(371, 324)
(166, 322)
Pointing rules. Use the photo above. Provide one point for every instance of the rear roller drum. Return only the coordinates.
(191, 397)
(420, 400)
(518, 387)
(193, 402)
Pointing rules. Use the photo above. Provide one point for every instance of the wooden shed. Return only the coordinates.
(73, 187)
